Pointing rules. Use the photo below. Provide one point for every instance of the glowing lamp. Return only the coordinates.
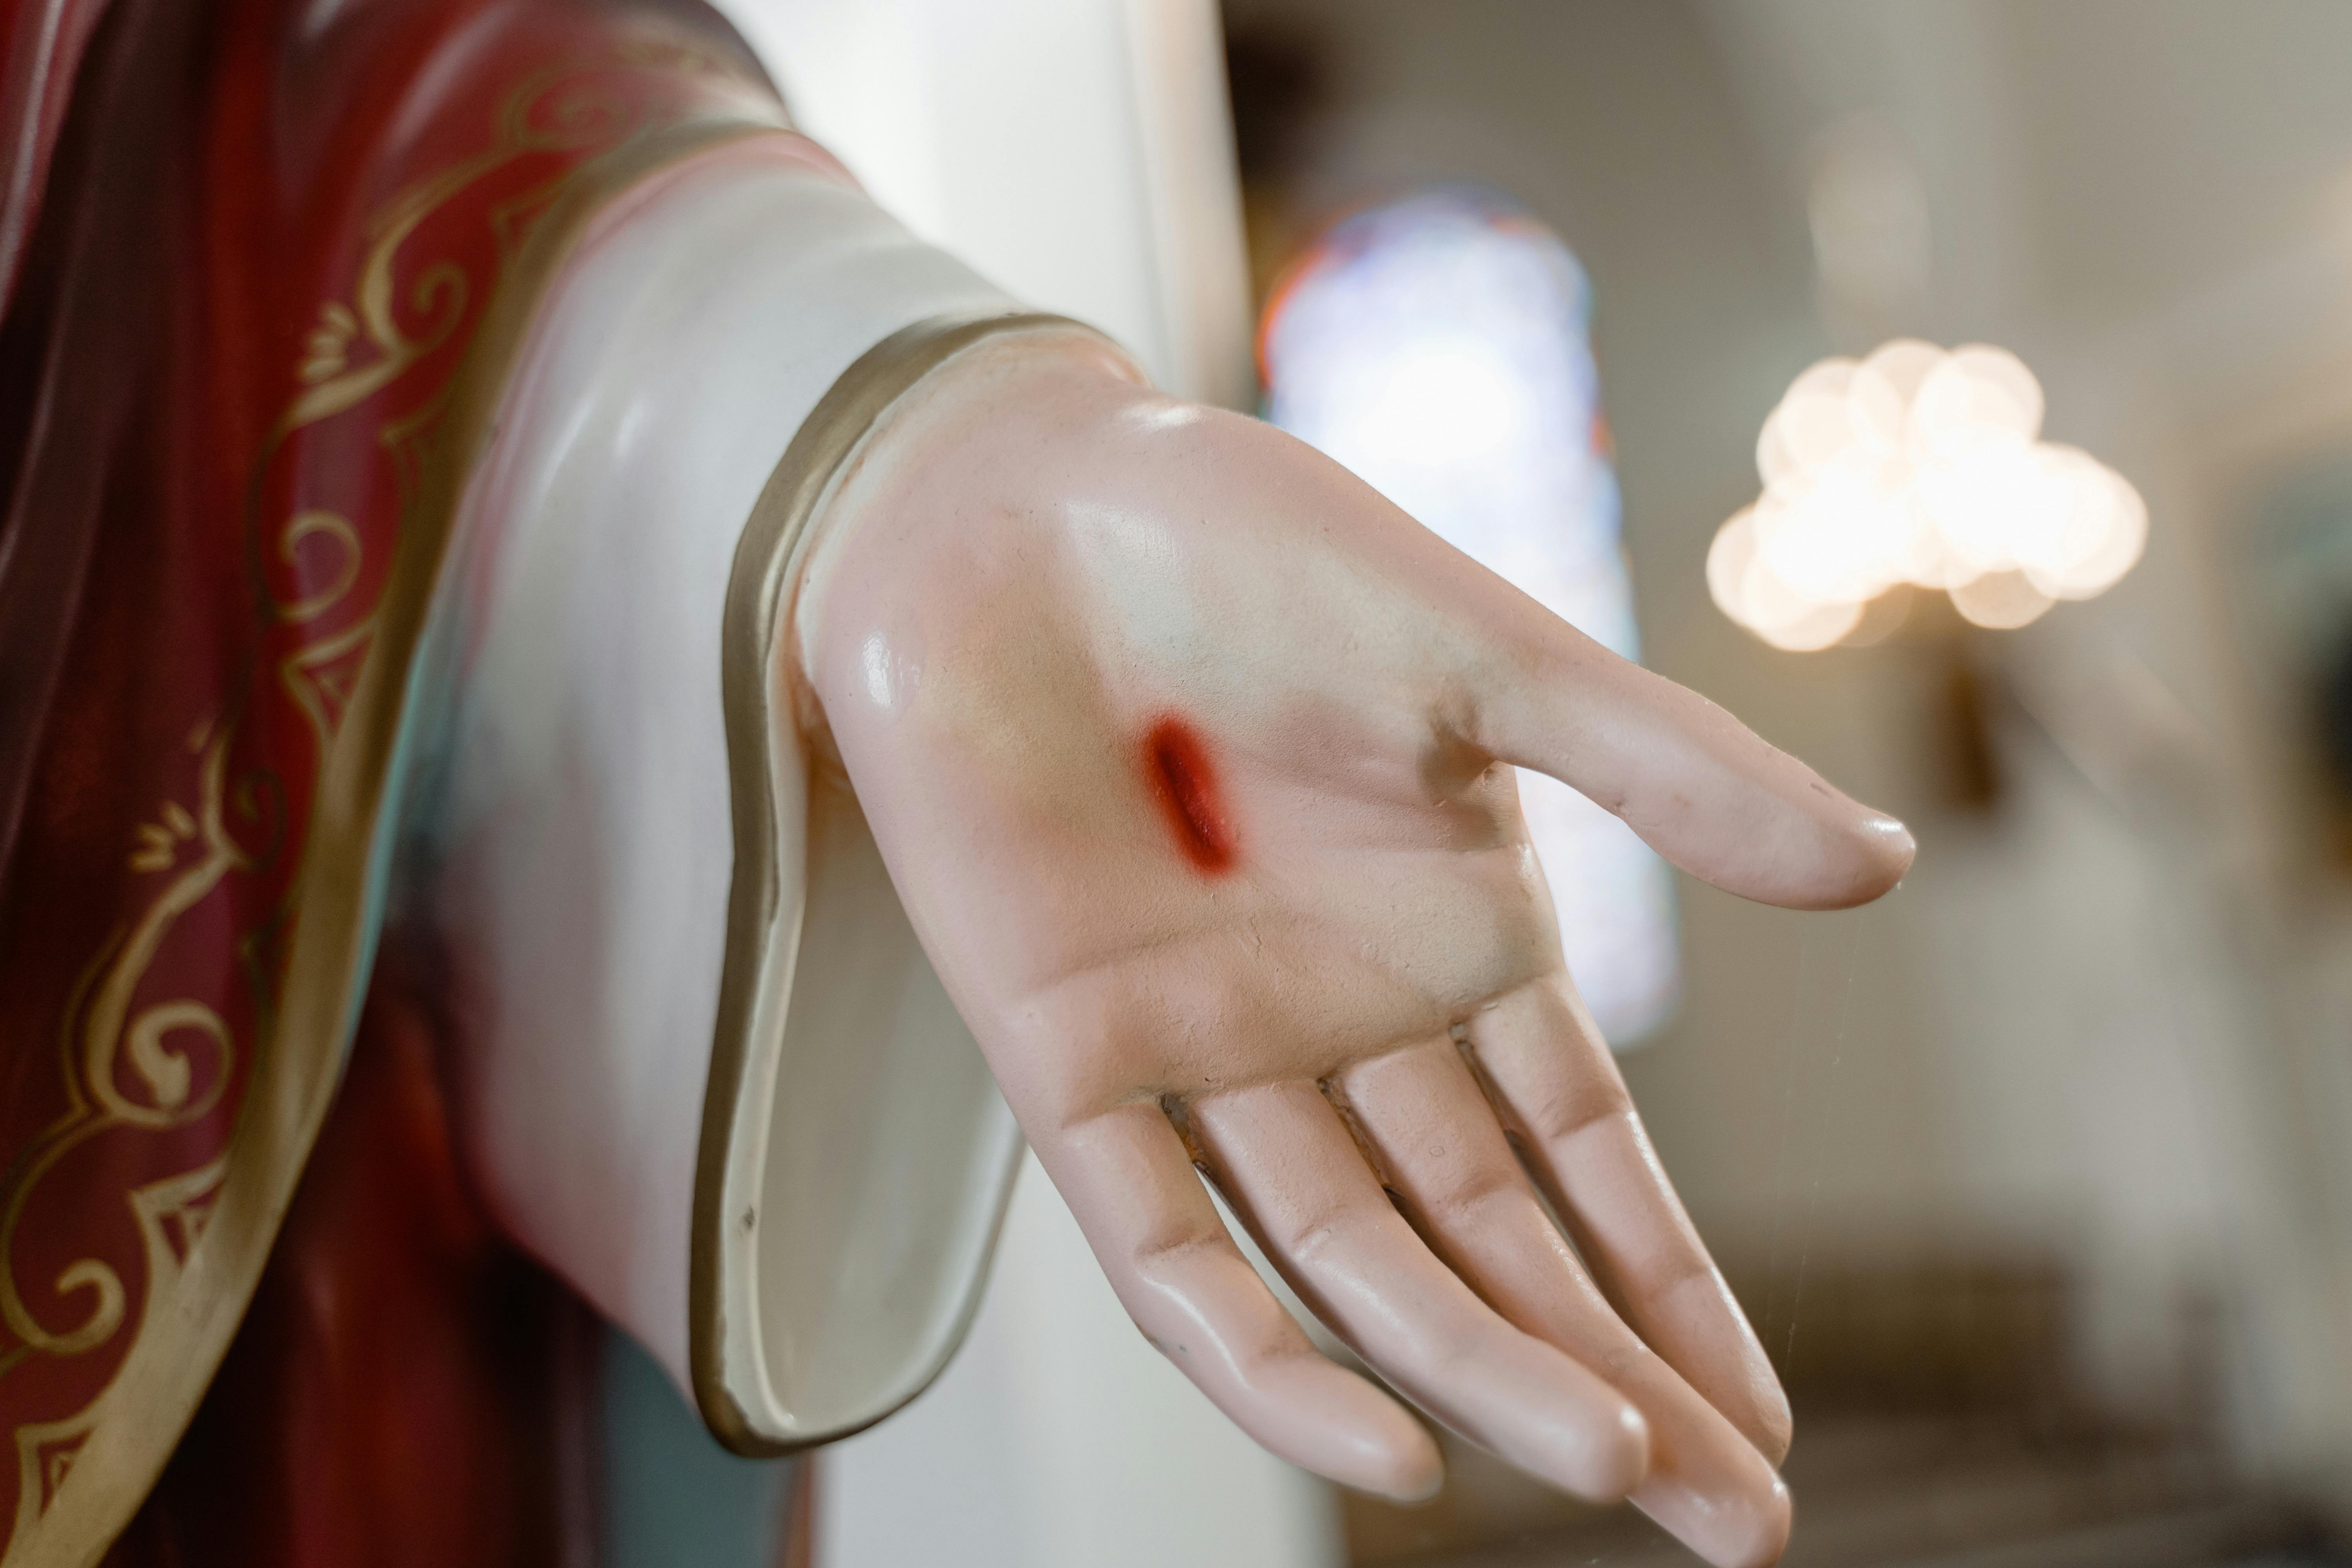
(1923, 467)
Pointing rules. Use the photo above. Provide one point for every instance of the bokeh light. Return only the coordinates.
(1924, 467)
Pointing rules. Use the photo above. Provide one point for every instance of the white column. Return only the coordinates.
(1059, 1439)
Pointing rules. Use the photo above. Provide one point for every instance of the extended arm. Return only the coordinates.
(1184, 754)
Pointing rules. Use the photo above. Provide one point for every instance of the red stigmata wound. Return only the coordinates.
(1177, 766)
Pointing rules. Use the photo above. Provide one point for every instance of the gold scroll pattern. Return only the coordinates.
(101, 1031)
(180, 1053)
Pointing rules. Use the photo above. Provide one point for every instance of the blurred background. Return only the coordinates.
(2034, 1177)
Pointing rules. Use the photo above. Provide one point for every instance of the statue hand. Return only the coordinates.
(1186, 753)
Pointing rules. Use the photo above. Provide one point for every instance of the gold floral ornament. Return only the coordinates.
(330, 345)
(159, 841)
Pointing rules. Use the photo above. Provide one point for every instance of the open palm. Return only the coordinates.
(1188, 754)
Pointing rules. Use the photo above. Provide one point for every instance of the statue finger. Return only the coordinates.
(1429, 1128)
(1296, 1176)
(1558, 1090)
(1131, 1183)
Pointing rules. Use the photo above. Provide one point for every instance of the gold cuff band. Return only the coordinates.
(768, 558)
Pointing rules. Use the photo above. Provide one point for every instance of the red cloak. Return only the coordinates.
(252, 341)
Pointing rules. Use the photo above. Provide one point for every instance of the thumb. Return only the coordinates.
(1700, 787)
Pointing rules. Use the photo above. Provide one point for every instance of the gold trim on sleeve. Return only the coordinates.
(759, 931)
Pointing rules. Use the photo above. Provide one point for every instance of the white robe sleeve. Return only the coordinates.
(705, 1072)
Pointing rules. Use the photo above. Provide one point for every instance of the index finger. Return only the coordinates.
(1558, 1090)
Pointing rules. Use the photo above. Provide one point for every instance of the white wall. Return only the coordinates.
(1077, 151)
